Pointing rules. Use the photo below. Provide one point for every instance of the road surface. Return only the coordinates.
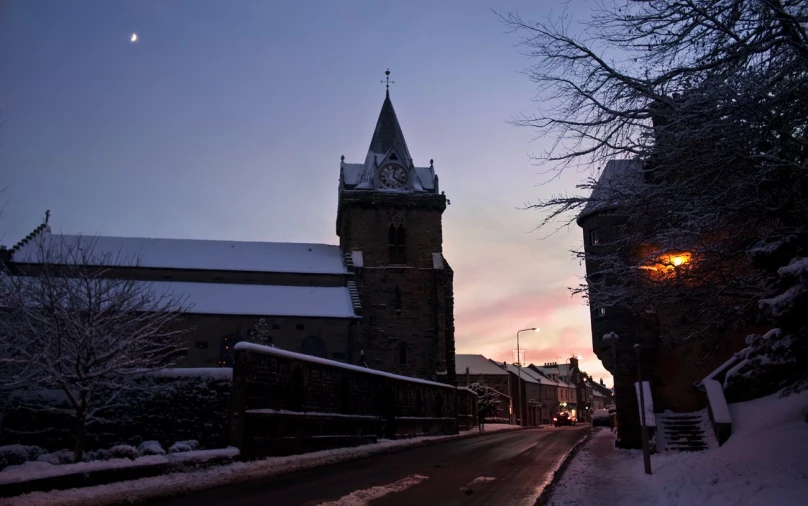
(503, 469)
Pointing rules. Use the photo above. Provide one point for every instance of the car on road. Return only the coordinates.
(563, 419)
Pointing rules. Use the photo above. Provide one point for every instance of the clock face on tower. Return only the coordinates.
(393, 176)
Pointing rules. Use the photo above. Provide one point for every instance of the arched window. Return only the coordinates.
(397, 300)
(313, 346)
(396, 239)
(402, 353)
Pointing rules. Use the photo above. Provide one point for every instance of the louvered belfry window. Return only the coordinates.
(397, 240)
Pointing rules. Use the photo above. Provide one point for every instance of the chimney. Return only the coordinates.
(468, 382)
(601, 382)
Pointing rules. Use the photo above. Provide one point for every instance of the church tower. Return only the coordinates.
(389, 225)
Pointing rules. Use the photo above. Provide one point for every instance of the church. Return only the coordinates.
(383, 297)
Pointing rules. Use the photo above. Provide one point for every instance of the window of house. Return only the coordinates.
(600, 312)
(299, 326)
(594, 237)
(396, 239)
(397, 300)
(276, 326)
(338, 355)
(402, 353)
(201, 345)
(314, 346)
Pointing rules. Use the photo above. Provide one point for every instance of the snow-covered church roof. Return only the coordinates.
(200, 254)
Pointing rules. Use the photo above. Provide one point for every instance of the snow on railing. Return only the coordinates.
(266, 350)
(717, 401)
(721, 368)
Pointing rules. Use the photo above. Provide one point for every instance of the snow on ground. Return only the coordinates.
(764, 462)
(36, 470)
(203, 456)
(237, 472)
(363, 497)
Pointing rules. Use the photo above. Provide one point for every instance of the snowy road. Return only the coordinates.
(505, 468)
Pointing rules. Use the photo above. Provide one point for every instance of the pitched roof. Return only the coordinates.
(618, 176)
(525, 376)
(541, 378)
(262, 300)
(201, 254)
(388, 132)
(387, 137)
(477, 364)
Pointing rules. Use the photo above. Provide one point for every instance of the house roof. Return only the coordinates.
(550, 370)
(525, 376)
(200, 254)
(616, 177)
(477, 364)
(541, 378)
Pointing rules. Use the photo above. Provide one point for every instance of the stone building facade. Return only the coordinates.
(382, 298)
(671, 372)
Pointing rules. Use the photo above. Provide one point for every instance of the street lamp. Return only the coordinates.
(519, 370)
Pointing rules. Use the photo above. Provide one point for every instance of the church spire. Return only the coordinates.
(388, 132)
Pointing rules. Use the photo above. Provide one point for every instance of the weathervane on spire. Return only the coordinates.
(387, 80)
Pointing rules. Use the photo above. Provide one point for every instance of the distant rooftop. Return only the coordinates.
(477, 364)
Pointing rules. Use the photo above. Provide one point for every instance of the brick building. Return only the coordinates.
(382, 297)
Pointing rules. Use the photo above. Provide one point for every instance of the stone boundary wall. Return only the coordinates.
(286, 402)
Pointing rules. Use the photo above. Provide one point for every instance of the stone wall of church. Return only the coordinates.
(365, 221)
(402, 340)
(288, 333)
(415, 337)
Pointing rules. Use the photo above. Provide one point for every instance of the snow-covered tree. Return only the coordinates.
(707, 97)
(74, 320)
(487, 400)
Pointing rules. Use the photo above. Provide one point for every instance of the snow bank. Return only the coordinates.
(37, 470)
(204, 456)
(237, 472)
(762, 463)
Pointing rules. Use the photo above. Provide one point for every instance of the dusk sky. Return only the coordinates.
(226, 120)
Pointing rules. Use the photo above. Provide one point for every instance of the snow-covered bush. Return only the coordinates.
(27, 467)
(193, 405)
(97, 455)
(150, 448)
(17, 454)
(124, 452)
(184, 446)
(64, 456)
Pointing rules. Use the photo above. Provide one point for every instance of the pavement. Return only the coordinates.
(503, 469)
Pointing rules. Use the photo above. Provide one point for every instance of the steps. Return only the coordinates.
(685, 432)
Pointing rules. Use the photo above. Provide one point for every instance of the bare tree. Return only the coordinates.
(76, 321)
(707, 98)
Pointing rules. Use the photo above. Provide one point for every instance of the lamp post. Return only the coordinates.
(646, 451)
(519, 370)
